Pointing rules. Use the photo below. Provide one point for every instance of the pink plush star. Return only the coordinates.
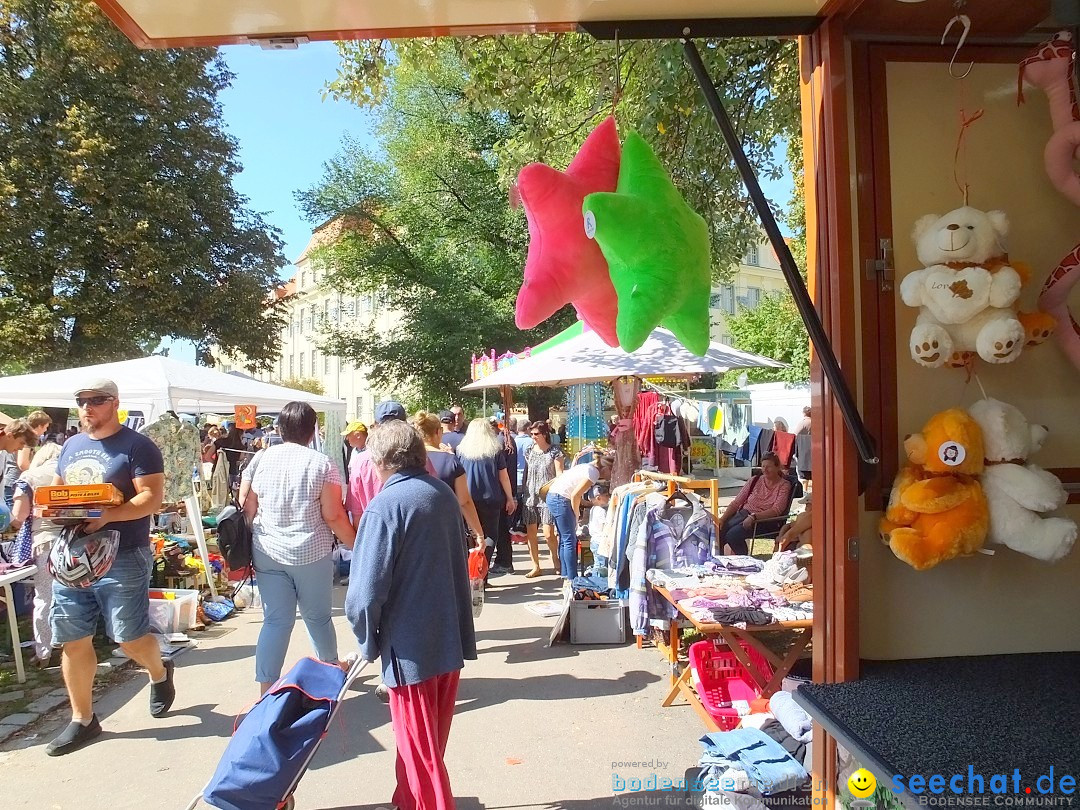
(564, 265)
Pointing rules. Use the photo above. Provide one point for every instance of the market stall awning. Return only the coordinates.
(197, 23)
(586, 358)
(156, 384)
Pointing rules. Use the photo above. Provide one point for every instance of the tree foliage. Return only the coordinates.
(308, 384)
(119, 224)
(432, 232)
(552, 90)
(774, 329)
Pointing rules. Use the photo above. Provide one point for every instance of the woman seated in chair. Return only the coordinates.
(764, 496)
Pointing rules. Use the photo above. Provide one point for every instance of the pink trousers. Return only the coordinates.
(421, 715)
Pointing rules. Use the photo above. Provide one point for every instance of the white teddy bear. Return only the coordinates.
(965, 292)
(1018, 492)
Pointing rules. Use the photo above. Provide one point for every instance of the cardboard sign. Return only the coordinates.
(245, 416)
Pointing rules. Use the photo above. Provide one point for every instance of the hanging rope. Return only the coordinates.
(965, 122)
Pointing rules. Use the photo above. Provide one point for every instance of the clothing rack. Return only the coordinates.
(677, 482)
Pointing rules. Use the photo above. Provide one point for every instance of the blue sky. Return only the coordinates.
(286, 131)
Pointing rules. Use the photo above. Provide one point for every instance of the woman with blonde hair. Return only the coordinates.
(481, 454)
(34, 541)
(448, 469)
(544, 461)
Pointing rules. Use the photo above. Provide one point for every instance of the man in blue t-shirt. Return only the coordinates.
(109, 453)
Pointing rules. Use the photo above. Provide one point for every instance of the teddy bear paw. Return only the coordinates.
(1001, 341)
(930, 346)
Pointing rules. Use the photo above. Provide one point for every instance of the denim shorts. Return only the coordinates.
(122, 597)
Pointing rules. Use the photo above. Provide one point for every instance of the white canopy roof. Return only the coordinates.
(156, 384)
(586, 358)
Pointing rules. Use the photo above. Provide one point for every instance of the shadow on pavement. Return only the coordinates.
(216, 655)
(462, 802)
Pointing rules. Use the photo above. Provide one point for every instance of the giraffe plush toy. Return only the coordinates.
(1050, 68)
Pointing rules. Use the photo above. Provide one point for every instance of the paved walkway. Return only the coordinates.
(535, 727)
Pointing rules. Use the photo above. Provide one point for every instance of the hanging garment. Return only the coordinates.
(765, 443)
(784, 446)
(803, 447)
(668, 538)
(644, 420)
(220, 489)
(668, 430)
(180, 453)
(707, 412)
(750, 451)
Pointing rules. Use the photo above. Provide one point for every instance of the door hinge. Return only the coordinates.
(881, 268)
(853, 548)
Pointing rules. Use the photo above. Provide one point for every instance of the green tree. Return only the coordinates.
(311, 385)
(551, 90)
(773, 329)
(119, 224)
(431, 234)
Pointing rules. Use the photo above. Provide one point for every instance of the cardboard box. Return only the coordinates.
(78, 495)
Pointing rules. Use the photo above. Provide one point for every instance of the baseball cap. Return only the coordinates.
(389, 410)
(446, 416)
(99, 385)
(354, 427)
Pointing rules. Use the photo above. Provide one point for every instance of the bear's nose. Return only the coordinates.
(954, 227)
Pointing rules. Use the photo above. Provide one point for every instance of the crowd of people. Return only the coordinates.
(418, 495)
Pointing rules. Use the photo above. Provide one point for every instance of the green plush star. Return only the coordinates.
(657, 250)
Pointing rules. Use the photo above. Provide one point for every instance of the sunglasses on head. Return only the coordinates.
(97, 401)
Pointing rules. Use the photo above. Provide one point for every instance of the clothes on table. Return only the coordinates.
(780, 569)
(771, 769)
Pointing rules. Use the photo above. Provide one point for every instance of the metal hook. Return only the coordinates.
(965, 21)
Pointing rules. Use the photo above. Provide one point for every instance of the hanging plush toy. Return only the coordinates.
(657, 249)
(937, 509)
(1018, 492)
(1050, 68)
(967, 292)
(564, 266)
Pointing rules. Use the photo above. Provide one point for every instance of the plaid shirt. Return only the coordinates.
(289, 526)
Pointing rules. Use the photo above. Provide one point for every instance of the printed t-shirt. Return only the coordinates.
(116, 460)
(566, 483)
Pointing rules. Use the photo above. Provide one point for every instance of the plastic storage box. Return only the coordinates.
(597, 621)
(173, 615)
(720, 679)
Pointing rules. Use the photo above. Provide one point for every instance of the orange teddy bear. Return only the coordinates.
(937, 509)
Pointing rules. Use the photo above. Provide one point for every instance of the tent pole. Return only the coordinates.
(859, 434)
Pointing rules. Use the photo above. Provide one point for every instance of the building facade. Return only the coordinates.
(313, 306)
(758, 273)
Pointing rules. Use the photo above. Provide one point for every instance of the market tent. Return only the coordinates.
(156, 384)
(586, 358)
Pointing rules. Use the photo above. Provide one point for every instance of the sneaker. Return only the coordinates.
(162, 694)
(382, 692)
(497, 570)
(75, 736)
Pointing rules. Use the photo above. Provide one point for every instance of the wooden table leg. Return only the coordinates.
(16, 643)
(677, 684)
(789, 661)
(683, 686)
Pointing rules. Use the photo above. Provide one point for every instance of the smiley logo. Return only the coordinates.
(862, 784)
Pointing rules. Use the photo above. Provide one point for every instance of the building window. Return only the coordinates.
(751, 257)
(281, 368)
(326, 309)
(753, 297)
(725, 339)
(302, 358)
(303, 314)
(292, 365)
(326, 364)
(314, 366)
(359, 407)
(727, 298)
(303, 276)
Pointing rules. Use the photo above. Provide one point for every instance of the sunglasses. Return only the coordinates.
(536, 433)
(96, 402)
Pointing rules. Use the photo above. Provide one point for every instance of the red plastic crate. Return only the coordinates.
(721, 678)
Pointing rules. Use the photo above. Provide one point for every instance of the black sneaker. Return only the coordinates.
(162, 694)
(76, 735)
